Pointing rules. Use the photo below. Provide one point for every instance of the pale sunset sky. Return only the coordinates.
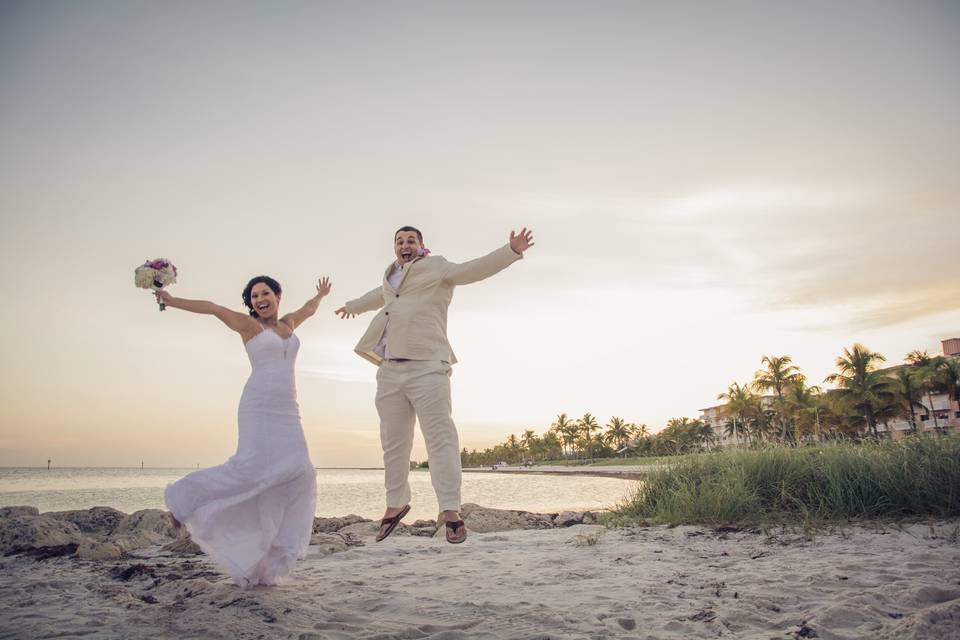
(708, 183)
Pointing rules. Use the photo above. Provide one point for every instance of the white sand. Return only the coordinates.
(578, 582)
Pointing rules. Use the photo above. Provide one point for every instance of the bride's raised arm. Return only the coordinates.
(243, 324)
(309, 308)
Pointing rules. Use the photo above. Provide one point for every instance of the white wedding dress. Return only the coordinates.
(253, 515)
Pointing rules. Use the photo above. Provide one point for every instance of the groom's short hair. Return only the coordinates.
(414, 229)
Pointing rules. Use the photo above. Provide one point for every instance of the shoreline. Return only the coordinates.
(625, 472)
(339, 492)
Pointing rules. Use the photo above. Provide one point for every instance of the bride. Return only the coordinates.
(253, 515)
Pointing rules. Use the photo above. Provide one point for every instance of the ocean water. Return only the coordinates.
(339, 491)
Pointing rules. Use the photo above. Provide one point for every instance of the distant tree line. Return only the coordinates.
(776, 406)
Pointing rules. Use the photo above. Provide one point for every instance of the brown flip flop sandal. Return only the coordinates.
(456, 532)
(392, 521)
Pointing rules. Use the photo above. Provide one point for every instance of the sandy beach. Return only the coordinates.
(545, 580)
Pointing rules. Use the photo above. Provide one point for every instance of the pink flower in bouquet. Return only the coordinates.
(155, 274)
(424, 252)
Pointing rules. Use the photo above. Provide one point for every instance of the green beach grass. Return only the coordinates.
(911, 478)
(602, 462)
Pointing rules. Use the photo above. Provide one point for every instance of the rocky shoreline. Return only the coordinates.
(104, 533)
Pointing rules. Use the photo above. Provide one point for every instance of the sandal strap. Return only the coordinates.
(456, 524)
(395, 518)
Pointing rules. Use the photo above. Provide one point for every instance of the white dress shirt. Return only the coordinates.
(382, 349)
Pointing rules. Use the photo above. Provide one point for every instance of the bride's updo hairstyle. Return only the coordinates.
(267, 280)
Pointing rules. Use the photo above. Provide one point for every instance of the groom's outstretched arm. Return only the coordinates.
(492, 263)
(370, 301)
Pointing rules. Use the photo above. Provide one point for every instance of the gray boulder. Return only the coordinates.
(183, 546)
(365, 529)
(90, 549)
(592, 517)
(331, 525)
(9, 512)
(97, 520)
(485, 520)
(143, 529)
(568, 518)
(29, 533)
(147, 521)
(327, 543)
(425, 528)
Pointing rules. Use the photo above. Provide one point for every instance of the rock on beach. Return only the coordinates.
(104, 533)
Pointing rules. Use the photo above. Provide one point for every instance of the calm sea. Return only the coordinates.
(340, 491)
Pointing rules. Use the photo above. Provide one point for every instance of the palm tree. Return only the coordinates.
(588, 426)
(686, 434)
(678, 432)
(640, 439)
(528, 440)
(839, 418)
(778, 375)
(803, 405)
(927, 367)
(618, 432)
(950, 380)
(550, 444)
(908, 389)
(566, 430)
(887, 410)
(739, 403)
(703, 432)
(762, 422)
(860, 383)
(513, 445)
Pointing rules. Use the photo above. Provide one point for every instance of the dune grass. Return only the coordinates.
(914, 477)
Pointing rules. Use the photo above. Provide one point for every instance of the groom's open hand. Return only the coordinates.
(342, 312)
(522, 241)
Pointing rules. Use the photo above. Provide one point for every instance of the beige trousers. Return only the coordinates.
(418, 390)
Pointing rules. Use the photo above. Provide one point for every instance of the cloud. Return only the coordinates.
(932, 300)
(886, 258)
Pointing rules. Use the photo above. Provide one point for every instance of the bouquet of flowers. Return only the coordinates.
(155, 274)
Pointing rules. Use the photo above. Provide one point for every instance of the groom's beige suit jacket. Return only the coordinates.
(417, 309)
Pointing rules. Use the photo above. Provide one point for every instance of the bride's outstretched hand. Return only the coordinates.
(342, 312)
(162, 296)
(522, 241)
(323, 286)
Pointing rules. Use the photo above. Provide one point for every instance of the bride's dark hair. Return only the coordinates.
(267, 280)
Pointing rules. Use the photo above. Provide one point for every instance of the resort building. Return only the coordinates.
(939, 412)
(717, 421)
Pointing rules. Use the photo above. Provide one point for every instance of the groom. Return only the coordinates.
(407, 340)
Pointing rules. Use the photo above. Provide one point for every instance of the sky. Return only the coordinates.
(707, 183)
